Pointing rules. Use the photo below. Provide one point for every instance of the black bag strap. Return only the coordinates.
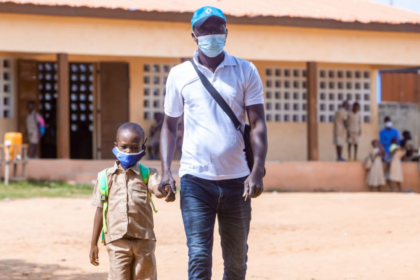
(218, 98)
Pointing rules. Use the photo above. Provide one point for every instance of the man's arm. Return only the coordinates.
(167, 148)
(97, 227)
(254, 183)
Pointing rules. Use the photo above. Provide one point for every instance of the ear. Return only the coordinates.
(226, 35)
(194, 38)
(115, 144)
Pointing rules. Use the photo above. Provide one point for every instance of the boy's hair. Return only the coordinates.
(387, 119)
(132, 127)
(356, 104)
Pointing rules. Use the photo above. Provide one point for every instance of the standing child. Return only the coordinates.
(354, 130)
(122, 196)
(395, 169)
(376, 176)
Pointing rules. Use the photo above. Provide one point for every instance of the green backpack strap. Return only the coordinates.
(145, 174)
(103, 189)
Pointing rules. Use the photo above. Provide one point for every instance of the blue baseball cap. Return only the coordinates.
(202, 14)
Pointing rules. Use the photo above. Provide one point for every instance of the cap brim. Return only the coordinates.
(203, 20)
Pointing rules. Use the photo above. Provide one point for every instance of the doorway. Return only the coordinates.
(81, 110)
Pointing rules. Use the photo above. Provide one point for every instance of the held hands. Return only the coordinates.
(253, 186)
(167, 187)
(94, 255)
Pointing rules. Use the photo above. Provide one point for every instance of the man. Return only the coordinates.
(340, 129)
(386, 135)
(33, 130)
(215, 178)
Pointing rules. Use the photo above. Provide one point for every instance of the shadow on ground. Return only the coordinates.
(21, 270)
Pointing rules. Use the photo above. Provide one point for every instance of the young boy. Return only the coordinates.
(354, 128)
(123, 201)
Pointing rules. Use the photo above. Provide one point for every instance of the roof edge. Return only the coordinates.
(186, 17)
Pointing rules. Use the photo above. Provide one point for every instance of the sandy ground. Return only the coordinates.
(317, 236)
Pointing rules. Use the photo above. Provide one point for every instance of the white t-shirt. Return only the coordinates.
(212, 147)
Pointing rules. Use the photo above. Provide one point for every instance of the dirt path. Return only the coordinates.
(293, 236)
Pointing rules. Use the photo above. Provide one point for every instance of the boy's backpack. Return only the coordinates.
(41, 124)
(103, 189)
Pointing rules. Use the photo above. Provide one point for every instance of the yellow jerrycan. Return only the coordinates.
(13, 138)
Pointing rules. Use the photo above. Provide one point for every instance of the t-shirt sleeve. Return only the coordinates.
(96, 197)
(154, 179)
(174, 103)
(254, 90)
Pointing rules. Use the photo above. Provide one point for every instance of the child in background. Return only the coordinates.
(395, 169)
(354, 130)
(122, 196)
(376, 176)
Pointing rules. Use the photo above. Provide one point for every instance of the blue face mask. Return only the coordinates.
(211, 45)
(128, 160)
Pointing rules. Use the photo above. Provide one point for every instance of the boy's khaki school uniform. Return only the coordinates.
(354, 127)
(130, 238)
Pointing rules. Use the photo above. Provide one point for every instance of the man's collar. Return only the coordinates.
(227, 61)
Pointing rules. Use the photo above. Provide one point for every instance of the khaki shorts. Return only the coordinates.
(132, 259)
(353, 138)
(339, 141)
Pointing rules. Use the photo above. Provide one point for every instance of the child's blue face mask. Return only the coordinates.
(128, 160)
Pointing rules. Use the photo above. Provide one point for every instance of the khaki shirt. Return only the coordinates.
(354, 122)
(129, 210)
(340, 117)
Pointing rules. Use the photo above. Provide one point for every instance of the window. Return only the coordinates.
(285, 94)
(155, 76)
(352, 85)
(6, 88)
(81, 95)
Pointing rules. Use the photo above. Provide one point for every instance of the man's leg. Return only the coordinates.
(234, 216)
(199, 199)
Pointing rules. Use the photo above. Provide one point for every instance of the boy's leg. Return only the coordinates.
(199, 200)
(120, 259)
(234, 216)
(349, 150)
(355, 151)
(144, 263)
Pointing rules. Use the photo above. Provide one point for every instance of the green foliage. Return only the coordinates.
(31, 188)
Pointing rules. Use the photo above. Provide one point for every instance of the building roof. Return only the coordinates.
(362, 11)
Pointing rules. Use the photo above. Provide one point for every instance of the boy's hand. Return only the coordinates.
(94, 255)
(170, 197)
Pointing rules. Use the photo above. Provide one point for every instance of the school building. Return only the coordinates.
(92, 65)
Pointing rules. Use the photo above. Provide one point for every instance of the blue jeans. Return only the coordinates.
(201, 201)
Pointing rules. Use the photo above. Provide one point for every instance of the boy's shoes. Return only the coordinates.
(341, 159)
(356, 160)
(349, 159)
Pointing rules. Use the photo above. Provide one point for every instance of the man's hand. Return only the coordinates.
(253, 186)
(167, 187)
(94, 255)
